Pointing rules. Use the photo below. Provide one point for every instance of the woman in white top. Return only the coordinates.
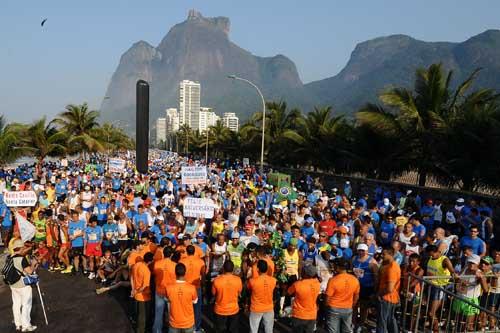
(87, 199)
(407, 234)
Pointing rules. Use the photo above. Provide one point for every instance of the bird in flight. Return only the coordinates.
(43, 22)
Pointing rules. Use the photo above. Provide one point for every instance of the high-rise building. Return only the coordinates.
(172, 117)
(231, 121)
(189, 102)
(161, 130)
(205, 119)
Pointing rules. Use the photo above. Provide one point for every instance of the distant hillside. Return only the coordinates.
(199, 49)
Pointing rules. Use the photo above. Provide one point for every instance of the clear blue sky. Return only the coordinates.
(72, 58)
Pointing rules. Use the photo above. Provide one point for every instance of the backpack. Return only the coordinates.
(9, 272)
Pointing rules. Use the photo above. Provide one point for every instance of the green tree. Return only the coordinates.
(10, 142)
(42, 139)
(419, 116)
(81, 125)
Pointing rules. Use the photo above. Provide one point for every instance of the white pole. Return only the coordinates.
(234, 77)
(43, 306)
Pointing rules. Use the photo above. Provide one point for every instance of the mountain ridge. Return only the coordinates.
(200, 49)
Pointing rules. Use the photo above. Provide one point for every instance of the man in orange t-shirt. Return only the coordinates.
(342, 294)
(388, 292)
(141, 291)
(261, 300)
(164, 273)
(304, 307)
(182, 296)
(195, 274)
(227, 288)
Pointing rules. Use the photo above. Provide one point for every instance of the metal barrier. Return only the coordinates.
(445, 304)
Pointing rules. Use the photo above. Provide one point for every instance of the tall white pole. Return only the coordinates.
(234, 77)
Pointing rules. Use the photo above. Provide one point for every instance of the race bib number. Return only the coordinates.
(102, 212)
(92, 237)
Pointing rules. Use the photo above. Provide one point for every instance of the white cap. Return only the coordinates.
(362, 246)
(474, 258)
(400, 212)
(235, 235)
(460, 200)
(347, 182)
(386, 201)
(180, 236)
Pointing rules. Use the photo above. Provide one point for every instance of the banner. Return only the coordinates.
(116, 165)
(198, 207)
(26, 229)
(64, 162)
(193, 175)
(20, 199)
(246, 161)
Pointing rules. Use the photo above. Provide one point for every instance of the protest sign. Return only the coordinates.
(198, 207)
(193, 175)
(246, 161)
(20, 199)
(116, 165)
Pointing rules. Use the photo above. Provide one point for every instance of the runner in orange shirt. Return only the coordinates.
(261, 300)
(141, 290)
(388, 292)
(181, 296)
(195, 274)
(227, 288)
(342, 294)
(164, 273)
(304, 307)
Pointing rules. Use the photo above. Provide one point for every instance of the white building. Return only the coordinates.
(189, 102)
(231, 121)
(172, 117)
(205, 119)
(161, 130)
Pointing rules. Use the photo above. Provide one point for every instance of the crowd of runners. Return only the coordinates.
(326, 259)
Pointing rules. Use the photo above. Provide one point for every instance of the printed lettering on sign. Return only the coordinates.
(198, 207)
(194, 175)
(20, 199)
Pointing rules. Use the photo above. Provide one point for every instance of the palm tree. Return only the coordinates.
(472, 160)
(183, 135)
(113, 138)
(324, 138)
(421, 115)
(282, 137)
(80, 123)
(10, 147)
(219, 138)
(41, 140)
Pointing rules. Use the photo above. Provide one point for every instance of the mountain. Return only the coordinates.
(379, 63)
(199, 49)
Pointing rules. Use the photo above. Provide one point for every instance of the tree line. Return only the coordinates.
(76, 130)
(449, 132)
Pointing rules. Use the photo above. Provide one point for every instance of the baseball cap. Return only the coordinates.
(310, 220)
(488, 260)
(475, 259)
(460, 201)
(235, 235)
(180, 236)
(200, 235)
(362, 246)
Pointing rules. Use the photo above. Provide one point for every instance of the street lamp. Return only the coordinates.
(234, 77)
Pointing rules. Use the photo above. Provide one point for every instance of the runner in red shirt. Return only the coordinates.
(328, 224)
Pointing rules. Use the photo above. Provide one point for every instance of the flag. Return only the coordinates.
(286, 192)
(26, 229)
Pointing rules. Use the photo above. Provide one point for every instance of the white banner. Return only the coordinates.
(197, 207)
(26, 229)
(246, 161)
(116, 165)
(193, 175)
(20, 199)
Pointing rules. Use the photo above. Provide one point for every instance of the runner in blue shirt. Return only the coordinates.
(92, 245)
(102, 208)
(76, 230)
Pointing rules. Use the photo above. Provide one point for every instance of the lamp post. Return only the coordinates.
(234, 77)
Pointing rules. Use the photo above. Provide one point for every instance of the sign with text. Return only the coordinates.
(20, 199)
(198, 207)
(116, 165)
(193, 175)
(246, 161)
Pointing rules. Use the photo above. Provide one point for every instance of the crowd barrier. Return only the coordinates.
(456, 313)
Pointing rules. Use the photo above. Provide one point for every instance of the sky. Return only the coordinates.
(72, 58)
